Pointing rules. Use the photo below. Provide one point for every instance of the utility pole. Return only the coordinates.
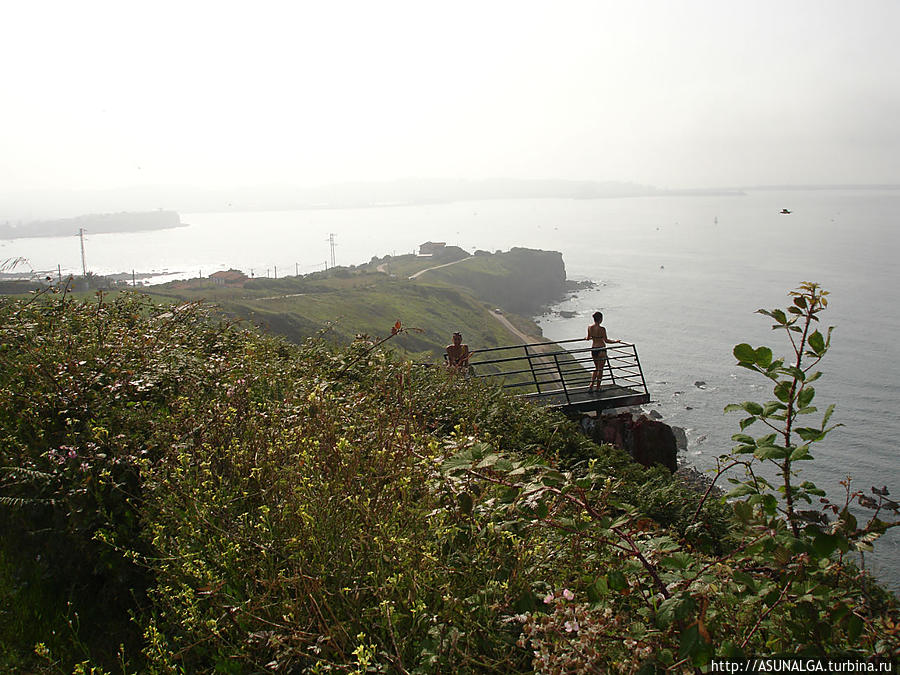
(296, 269)
(83, 265)
(331, 241)
(276, 271)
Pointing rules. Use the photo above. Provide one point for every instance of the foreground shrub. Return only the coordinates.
(214, 500)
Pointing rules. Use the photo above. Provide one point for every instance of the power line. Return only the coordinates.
(330, 240)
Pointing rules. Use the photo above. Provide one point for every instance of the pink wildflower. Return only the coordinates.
(549, 598)
(567, 594)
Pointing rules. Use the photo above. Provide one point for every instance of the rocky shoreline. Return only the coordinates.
(649, 441)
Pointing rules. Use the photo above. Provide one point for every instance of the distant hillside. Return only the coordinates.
(522, 280)
(94, 223)
(345, 302)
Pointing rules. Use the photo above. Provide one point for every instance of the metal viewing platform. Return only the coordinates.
(557, 376)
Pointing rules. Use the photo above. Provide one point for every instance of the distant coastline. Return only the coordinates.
(27, 209)
(97, 223)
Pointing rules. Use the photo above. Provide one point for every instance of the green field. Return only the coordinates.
(344, 303)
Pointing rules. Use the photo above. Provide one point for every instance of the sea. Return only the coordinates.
(681, 277)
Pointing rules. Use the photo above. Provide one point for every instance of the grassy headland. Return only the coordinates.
(343, 303)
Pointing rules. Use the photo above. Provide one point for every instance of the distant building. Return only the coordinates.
(229, 278)
(432, 247)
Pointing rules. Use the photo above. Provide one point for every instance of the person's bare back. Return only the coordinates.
(599, 339)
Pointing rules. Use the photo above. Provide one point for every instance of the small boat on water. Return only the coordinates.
(785, 211)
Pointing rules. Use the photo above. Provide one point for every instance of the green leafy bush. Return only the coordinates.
(208, 499)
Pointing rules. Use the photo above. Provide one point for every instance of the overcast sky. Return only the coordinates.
(695, 93)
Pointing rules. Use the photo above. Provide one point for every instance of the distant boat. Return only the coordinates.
(785, 211)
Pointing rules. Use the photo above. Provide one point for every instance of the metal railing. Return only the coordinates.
(561, 374)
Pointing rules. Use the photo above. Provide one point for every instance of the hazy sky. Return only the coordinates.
(674, 94)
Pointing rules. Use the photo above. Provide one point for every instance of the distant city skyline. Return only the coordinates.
(206, 96)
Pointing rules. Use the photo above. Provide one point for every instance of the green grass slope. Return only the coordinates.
(179, 495)
(343, 303)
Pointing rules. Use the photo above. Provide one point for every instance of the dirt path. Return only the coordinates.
(526, 339)
(436, 267)
(279, 297)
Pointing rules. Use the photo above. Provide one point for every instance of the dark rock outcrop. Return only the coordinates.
(648, 441)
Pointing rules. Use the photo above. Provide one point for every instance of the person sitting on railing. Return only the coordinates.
(597, 333)
(457, 356)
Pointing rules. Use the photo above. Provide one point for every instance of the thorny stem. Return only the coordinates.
(762, 617)
(812, 301)
(719, 474)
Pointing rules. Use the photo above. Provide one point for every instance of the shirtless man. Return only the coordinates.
(597, 333)
(457, 353)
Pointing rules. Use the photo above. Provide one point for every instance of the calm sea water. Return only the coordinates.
(679, 276)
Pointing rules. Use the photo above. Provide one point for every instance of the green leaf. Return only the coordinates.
(678, 561)
(745, 580)
(817, 342)
(763, 356)
(776, 314)
(782, 391)
(553, 478)
(616, 581)
(690, 642)
(770, 452)
(808, 434)
(800, 453)
(752, 407)
(827, 415)
(598, 589)
(541, 510)
(675, 609)
(456, 463)
(743, 438)
(743, 511)
(503, 465)
(806, 396)
(847, 521)
(741, 490)
(509, 495)
(732, 407)
(744, 353)
(488, 461)
(794, 372)
(480, 450)
(854, 628)
(825, 544)
(747, 421)
(772, 406)
(800, 301)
